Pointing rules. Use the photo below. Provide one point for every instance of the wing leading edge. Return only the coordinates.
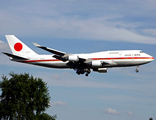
(56, 52)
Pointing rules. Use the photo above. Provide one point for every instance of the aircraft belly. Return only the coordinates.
(59, 64)
(54, 63)
(130, 62)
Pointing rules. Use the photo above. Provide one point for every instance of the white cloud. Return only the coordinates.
(92, 29)
(73, 80)
(4, 47)
(150, 31)
(129, 113)
(85, 22)
(110, 111)
(58, 103)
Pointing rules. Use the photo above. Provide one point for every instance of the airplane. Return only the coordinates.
(81, 63)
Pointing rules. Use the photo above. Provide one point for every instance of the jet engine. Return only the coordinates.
(95, 63)
(73, 58)
(101, 70)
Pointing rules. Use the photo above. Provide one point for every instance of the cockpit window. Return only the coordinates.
(141, 52)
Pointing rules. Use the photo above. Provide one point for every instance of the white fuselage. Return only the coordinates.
(122, 58)
(81, 63)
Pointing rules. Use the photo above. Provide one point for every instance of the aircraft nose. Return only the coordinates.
(151, 58)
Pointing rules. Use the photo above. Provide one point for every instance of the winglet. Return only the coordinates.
(37, 45)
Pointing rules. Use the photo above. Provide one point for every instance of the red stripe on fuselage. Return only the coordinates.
(118, 58)
(41, 60)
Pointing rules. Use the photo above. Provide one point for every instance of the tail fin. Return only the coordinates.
(18, 47)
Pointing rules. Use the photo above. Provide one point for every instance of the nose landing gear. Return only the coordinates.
(137, 69)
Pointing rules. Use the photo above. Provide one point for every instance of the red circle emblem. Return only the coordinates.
(18, 47)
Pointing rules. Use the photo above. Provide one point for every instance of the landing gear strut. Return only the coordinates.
(137, 69)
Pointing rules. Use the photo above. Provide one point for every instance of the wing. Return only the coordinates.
(73, 59)
(56, 52)
(80, 64)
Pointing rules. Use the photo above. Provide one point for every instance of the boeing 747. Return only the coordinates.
(81, 63)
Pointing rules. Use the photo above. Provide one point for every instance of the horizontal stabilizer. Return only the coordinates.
(15, 56)
(50, 50)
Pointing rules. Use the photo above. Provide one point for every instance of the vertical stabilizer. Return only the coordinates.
(18, 47)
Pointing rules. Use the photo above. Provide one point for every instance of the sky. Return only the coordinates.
(85, 26)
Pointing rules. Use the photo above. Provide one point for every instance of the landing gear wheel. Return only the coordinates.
(85, 71)
(137, 70)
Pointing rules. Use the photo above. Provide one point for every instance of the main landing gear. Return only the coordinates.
(137, 69)
(83, 71)
(87, 73)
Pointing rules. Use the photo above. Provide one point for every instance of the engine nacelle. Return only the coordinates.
(73, 58)
(95, 63)
(101, 70)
